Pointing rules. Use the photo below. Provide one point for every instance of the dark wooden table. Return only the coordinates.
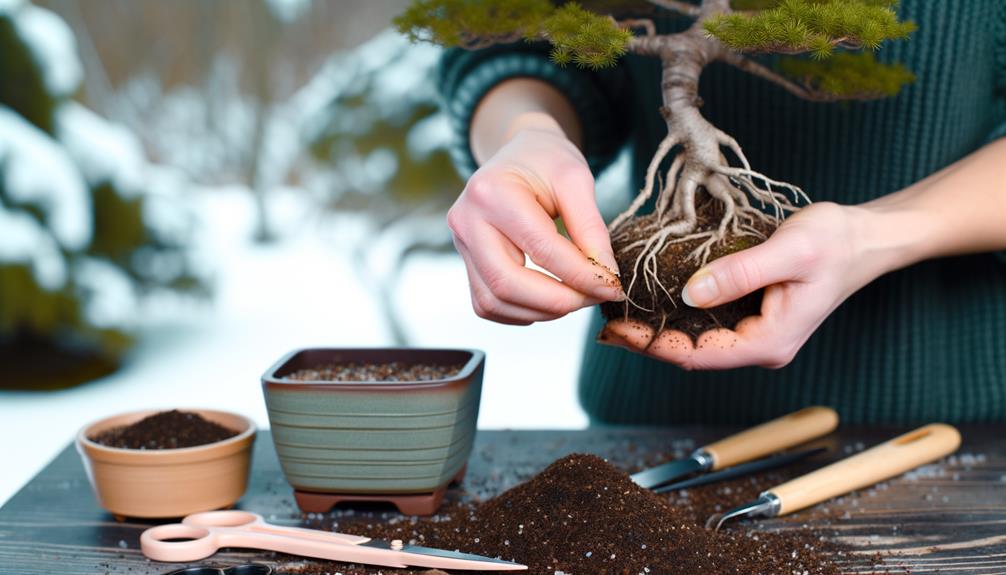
(948, 518)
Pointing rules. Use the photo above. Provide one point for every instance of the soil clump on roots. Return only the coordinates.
(659, 305)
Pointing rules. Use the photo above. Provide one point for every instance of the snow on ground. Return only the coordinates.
(297, 293)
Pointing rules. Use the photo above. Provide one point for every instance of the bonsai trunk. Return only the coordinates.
(703, 204)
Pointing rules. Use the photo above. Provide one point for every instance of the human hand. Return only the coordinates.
(810, 265)
(507, 210)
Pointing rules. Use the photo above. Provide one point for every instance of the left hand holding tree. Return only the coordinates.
(822, 255)
(809, 266)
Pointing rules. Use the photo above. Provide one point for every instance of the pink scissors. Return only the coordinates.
(202, 534)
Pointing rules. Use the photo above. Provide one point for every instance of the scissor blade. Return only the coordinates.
(474, 561)
(661, 474)
(757, 466)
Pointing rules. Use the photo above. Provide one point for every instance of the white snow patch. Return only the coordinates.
(105, 152)
(54, 47)
(37, 171)
(288, 10)
(23, 240)
(111, 301)
(7, 6)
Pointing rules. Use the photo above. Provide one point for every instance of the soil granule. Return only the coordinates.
(664, 309)
(582, 516)
(382, 372)
(165, 430)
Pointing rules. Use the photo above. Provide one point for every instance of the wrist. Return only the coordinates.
(892, 234)
(540, 122)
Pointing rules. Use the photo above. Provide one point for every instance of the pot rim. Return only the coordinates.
(463, 377)
(181, 455)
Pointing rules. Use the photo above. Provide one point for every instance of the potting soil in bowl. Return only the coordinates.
(383, 372)
(165, 430)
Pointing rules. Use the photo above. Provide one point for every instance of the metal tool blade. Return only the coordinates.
(661, 474)
(757, 466)
(767, 505)
(443, 553)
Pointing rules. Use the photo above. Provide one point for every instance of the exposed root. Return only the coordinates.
(665, 147)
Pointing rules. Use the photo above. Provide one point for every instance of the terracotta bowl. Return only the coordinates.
(168, 482)
(374, 437)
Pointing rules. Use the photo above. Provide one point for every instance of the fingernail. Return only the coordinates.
(700, 289)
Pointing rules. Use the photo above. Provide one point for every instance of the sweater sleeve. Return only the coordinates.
(999, 131)
(597, 96)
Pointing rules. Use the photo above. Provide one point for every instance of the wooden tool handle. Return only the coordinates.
(887, 460)
(782, 433)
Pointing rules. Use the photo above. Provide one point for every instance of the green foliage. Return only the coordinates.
(849, 75)
(766, 4)
(457, 22)
(577, 35)
(22, 87)
(815, 26)
(590, 40)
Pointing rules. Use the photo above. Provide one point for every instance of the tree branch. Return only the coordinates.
(799, 90)
(644, 23)
(678, 6)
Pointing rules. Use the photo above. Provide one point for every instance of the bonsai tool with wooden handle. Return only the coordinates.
(879, 463)
(202, 534)
(782, 433)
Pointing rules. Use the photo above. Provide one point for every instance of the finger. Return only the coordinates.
(757, 340)
(627, 333)
(487, 306)
(577, 205)
(673, 346)
(738, 274)
(495, 263)
(528, 226)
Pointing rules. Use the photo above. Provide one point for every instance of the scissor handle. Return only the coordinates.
(202, 534)
(178, 542)
(218, 519)
(248, 521)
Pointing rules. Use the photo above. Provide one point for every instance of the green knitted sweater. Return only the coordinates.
(925, 343)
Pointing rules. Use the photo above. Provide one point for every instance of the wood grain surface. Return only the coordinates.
(947, 518)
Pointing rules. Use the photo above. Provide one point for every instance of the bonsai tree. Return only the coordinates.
(709, 200)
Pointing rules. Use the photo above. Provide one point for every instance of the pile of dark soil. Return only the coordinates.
(674, 269)
(394, 371)
(582, 516)
(165, 430)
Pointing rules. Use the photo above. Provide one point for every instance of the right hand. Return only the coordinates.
(507, 210)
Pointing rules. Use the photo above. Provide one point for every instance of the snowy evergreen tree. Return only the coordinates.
(82, 239)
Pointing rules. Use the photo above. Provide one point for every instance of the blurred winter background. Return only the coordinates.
(190, 189)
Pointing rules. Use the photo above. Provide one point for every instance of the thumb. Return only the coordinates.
(738, 274)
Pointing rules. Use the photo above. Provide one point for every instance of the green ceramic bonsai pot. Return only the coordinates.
(400, 441)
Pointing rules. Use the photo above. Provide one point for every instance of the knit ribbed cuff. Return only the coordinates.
(601, 138)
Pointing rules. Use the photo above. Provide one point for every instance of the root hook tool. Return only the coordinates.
(782, 433)
(202, 534)
(884, 461)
